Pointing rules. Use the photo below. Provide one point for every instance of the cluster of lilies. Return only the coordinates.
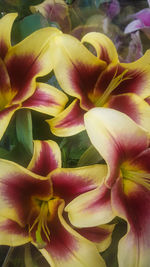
(68, 213)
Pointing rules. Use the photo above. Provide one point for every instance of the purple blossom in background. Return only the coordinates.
(113, 8)
(141, 21)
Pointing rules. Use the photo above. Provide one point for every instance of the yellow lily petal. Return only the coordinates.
(132, 105)
(81, 68)
(99, 235)
(46, 99)
(78, 251)
(29, 59)
(5, 33)
(5, 117)
(16, 183)
(68, 183)
(116, 137)
(12, 234)
(104, 47)
(69, 121)
(131, 201)
(92, 208)
(46, 157)
(140, 69)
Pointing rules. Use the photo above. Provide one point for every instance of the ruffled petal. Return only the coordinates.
(18, 188)
(46, 99)
(12, 234)
(46, 157)
(27, 60)
(70, 182)
(116, 137)
(68, 122)
(104, 47)
(5, 117)
(68, 248)
(132, 105)
(5, 33)
(80, 70)
(91, 209)
(131, 201)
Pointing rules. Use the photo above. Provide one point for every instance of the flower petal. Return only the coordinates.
(116, 137)
(135, 79)
(5, 33)
(46, 99)
(27, 60)
(5, 117)
(100, 235)
(104, 47)
(131, 202)
(18, 187)
(46, 157)
(68, 122)
(138, 72)
(91, 209)
(134, 26)
(68, 183)
(132, 105)
(54, 11)
(12, 234)
(68, 248)
(81, 68)
(143, 16)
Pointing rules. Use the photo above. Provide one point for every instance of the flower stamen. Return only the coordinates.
(111, 87)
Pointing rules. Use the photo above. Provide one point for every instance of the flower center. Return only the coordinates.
(111, 87)
(6, 98)
(41, 223)
(137, 176)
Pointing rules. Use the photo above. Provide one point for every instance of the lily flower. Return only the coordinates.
(141, 22)
(32, 205)
(126, 188)
(98, 80)
(20, 65)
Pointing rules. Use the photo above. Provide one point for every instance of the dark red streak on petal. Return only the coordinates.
(62, 243)
(142, 161)
(125, 104)
(73, 118)
(102, 199)
(3, 49)
(83, 79)
(22, 70)
(20, 188)
(104, 55)
(14, 228)
(46, 161)
(39, 99)
(6, 111)
(68, 186)
(94, 234)
(136, 206)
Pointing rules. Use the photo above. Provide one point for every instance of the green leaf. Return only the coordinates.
(24, 129)
(28, 25)
(90, 156)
